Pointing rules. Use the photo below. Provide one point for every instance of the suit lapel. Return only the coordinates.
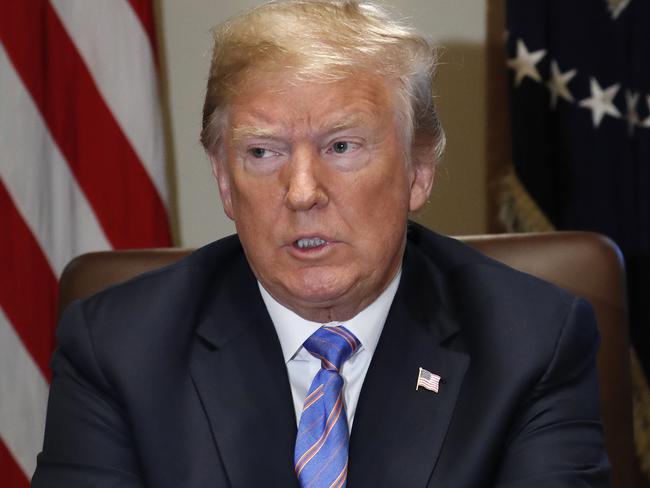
(239, 373)
(398, 432)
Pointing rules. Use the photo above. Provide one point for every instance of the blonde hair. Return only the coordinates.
(324, 41)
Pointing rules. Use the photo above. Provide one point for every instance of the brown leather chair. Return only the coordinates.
(586, 264)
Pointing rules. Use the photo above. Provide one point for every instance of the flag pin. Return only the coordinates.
(428, 380)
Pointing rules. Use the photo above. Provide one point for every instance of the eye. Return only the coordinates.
(342, 147)
(261, 153)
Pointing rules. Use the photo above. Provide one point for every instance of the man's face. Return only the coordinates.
(316, 180)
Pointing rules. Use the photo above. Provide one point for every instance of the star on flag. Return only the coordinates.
(616, 7)
(601, 102)
(524, 63)
(558, 84)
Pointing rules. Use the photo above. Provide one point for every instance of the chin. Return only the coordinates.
(320, 288)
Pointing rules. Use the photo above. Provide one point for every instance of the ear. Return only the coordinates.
(222, 175)
(423, 168)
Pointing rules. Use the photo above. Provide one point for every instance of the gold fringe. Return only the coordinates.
(518, 212)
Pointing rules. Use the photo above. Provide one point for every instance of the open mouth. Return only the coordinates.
(307, 244)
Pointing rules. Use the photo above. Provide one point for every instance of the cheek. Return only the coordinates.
(389, 191)
(251, 213)
(378, 207)
(253, 195)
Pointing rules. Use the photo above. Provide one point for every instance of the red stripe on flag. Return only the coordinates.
(11, 476)
(144, 10)
(107, 168)
(28, 288)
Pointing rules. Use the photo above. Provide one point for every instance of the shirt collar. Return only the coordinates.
(367, 325)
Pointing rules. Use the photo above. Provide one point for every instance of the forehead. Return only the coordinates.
(268, 103)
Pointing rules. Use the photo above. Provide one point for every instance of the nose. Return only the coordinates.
(304, 186)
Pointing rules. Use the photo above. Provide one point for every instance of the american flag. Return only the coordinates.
(428, 380)
(81, 167)
(580, 116)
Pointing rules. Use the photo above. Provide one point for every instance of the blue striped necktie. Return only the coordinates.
(321, 455)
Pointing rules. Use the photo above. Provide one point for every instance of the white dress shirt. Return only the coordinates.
(293, 331)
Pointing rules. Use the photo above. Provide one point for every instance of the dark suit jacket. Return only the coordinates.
(176, 379)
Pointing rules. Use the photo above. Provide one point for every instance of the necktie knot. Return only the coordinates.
(332, 345)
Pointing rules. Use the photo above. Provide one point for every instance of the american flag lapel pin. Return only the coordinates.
(428, 380)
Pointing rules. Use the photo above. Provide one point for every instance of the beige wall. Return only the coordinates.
(457, 205)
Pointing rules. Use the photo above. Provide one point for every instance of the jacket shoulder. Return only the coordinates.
(519, 316)
(172, 282)
(458, 261)
(162, 305)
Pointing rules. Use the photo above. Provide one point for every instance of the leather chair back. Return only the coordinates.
(586, 264)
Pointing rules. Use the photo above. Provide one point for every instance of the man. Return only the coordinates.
(251, 361)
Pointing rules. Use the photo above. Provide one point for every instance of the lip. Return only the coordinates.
(319, 251)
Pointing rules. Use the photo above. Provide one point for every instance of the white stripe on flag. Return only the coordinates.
(114, 46)
(24, 399)
(39, 179)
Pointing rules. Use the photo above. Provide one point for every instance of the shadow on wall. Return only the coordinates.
(458, 200)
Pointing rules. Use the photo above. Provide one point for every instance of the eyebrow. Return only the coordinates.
(252, 131)
(246, 131)
(348, 122)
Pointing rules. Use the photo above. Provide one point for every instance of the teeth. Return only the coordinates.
(309, 243)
